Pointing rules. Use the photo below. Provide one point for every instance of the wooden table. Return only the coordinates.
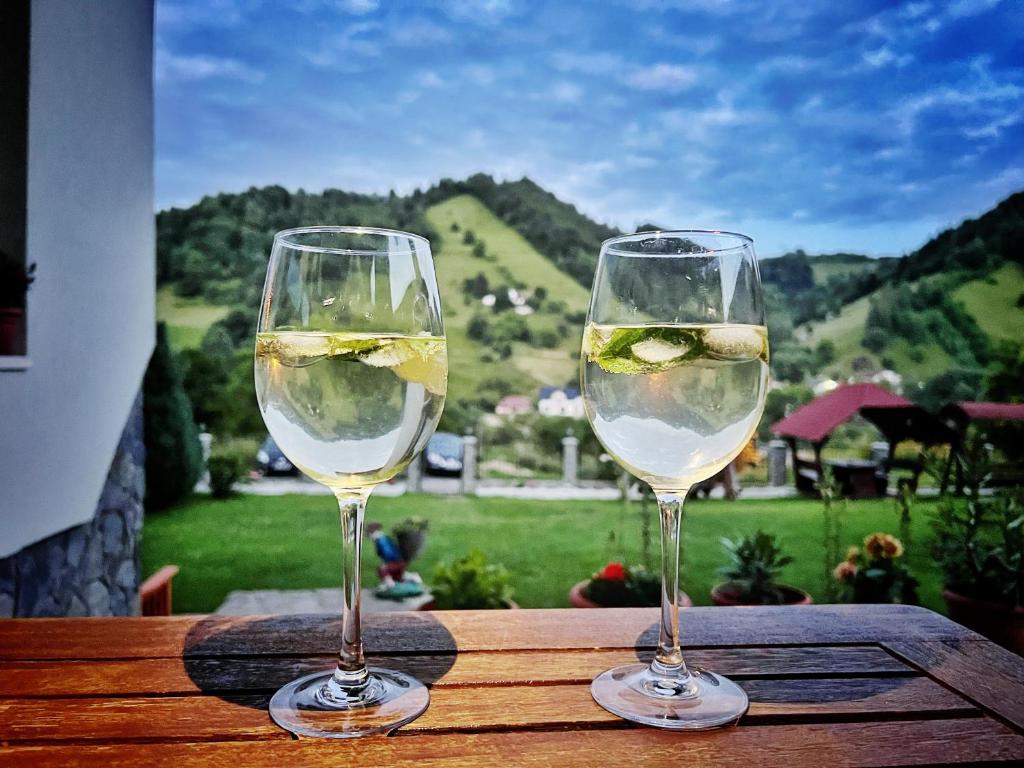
(829, 686)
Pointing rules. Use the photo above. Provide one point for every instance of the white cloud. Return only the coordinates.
(786, 63)
(169, 67)
(963, 8)
(566, 92)
(663, 77)
(915, 10)
(486, 12)
(361, 39)
(419, 32)
(211, 13)
(587, 63)
(430, 79)
(884, 56)
(358, 7)
(994, 127)
(480, 74)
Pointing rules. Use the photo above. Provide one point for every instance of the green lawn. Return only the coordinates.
(291, 542)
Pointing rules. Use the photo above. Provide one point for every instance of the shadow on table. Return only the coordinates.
(778, 689)
(246, 659)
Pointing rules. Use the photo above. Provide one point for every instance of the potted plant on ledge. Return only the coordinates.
(752, 574)
(616, 586)
(980, 548)
(875, 573)
(471, 583)
(15, 279)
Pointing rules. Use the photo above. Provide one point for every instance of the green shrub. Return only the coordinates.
(471, 583)
(225, 470)
(174, 459)
(755, 564)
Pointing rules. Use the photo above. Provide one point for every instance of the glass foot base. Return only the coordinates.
(701, 700)
(310, 706)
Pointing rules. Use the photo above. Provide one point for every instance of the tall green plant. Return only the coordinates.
(174, 459)
(829, 489)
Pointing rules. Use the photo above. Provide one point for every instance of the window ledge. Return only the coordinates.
(15, 363)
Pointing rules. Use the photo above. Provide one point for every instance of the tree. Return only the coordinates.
(478, 328)
(779, 403)
(468, 237)
(949, 387)
(480, 250)
(174, 459)
(825, 352)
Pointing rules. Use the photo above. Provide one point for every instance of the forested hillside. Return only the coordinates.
(934, 316)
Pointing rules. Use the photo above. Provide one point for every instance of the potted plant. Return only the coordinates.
(471, 583)
(616, 586)
(752, 573)
(980, 548)
(411, 537)
(875, 573)
(15, 279)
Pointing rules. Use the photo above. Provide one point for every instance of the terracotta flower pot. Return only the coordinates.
(726, 594)
(579, 599)
(432, 606)
(998, 622)
(10, 327)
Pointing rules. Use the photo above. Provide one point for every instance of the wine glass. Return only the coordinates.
(674, 369)
(351, 374)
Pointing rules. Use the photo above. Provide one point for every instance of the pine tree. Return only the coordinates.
(174, 459)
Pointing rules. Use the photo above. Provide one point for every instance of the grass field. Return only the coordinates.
(993, 302)
(292, 542)
(187, 319)
(508, 254)
(846, 330)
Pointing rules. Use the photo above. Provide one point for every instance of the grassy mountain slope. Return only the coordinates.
(992, 301)
(510, 259)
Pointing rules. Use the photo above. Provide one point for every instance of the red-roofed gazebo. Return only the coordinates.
(815, 422)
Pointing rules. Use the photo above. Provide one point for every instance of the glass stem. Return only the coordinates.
(668, 661)
(351, 675)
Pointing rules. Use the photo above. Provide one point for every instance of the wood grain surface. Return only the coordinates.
(829, 685)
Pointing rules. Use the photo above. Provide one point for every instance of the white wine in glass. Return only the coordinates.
(351, 374)
(674, 369)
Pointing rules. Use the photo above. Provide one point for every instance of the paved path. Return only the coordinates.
(541, 490)
(290, 601)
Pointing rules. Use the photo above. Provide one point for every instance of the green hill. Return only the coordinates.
(939, 310)
(509, 261)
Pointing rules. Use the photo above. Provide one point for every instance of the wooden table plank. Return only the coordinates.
(448, 631)
(197, 718)
(266, 674)
(840, 745)
(986, 673)
(829, 685)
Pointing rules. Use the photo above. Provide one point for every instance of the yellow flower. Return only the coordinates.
(874, 544)
(852, 554)
(845, 571)
(891, 547)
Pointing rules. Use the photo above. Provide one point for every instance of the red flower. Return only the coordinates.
(613, 572)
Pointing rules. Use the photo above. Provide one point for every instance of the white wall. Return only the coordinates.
(91, 232)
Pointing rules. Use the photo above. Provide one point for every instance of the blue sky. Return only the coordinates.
(863, 126)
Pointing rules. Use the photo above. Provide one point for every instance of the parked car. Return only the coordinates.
(443, 455)
(272, 462)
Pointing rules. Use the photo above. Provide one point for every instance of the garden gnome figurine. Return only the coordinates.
(392, 566)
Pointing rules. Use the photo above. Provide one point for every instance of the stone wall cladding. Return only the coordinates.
(91, 569)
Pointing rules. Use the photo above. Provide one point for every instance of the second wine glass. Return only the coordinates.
(674, 369)
(351, 376)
